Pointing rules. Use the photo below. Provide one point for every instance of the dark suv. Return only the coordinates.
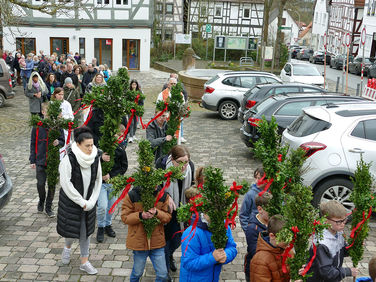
(286, 108)
(5, 185)
(6, 85)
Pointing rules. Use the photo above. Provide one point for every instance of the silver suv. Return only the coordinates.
(224, 92)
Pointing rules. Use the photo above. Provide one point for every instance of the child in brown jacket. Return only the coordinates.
(266, 265)
(131, 214)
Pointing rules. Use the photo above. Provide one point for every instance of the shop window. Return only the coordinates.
(26, 45)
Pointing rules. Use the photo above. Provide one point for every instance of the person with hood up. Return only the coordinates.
(36, 91)
(72, 94)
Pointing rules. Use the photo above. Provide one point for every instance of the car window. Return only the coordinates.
(232, 81)
(271, 79)
(306, 125)
(248, 81)
(305, 70)
(308, 89)
(287, 68)
(214, 78)
(279, 90)
(293, 108)
(260, 107)
(1, 71)
(365, 129)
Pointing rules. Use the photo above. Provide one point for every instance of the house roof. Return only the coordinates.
(305, 31)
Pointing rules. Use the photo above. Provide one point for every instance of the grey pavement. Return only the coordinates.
(30, 248)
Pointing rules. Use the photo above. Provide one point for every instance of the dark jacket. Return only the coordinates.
(72, 75)
(54, 84)
(34, 102)
(248, 207)
(73, 97)
(328, 267)
(87, 78)
(121, 162)
(40, 159)
(157, 137)
(69, 213)
(255, 227)
(266, 264)
(197, 260)
(131, 215)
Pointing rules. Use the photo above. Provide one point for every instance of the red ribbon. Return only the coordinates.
(200, 186)
(268, 183)
(124, 134)
(309, 264)
(40, 123)
(144, 126)
(359, 227)
(194, 211)
(70, 124)
(235, 188)
(168, 181)
(286, 252)
(130, 180)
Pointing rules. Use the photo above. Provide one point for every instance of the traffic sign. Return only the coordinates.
(284, 27)
(208, 28)
(325, 40)
(363, 36)
(348, 39)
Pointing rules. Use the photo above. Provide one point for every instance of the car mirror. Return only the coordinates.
(288, 73)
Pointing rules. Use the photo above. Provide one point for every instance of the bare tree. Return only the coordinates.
(280, 36)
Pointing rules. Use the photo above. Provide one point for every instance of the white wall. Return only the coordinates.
(289, 35)
(43, 35)
(369, 22)
(319, 25)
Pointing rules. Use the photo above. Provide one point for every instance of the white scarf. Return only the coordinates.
(84, 160)
(173, 189)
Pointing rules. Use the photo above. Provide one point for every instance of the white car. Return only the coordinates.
(225, 91)
(334, 136)
(303, 73)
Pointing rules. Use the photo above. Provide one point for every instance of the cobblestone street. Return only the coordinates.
(30, 248)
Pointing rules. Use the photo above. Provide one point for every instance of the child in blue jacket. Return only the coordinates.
(200, 261)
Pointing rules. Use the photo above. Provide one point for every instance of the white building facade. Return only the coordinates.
(115, 32)
(369, 22)
(320, 24)
(169, 18)
(291, 36)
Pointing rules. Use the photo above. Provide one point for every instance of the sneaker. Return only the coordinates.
(50, 213)
(100, 234)
(130, 140)
(40, 207)
(65, 256)
(109, 231)
(88, 268)
(183, 140)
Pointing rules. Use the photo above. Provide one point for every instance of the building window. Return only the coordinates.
(159, 7)
(103, 51)
(131, 54)
(247, 13)
(218, 12)
(121, 2)
(168, 34)
(203, 11)
(283, 21)
(169, 9)
(82, 47)
(26, 45)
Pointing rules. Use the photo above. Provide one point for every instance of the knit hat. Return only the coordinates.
(68, 80)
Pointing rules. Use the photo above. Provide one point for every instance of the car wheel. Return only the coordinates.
(228, 110)
(338, 189)
(2, 100)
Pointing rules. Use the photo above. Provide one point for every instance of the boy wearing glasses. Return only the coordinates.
(331, 248)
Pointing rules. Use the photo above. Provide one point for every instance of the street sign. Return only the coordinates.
(284, 27)
(325, 40)
(208, 28)
(347, 39)
(363, 36)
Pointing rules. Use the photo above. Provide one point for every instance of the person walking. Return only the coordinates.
(134, 86)
(36, 91)
(81, 181)
(51, 84)
(27, 69)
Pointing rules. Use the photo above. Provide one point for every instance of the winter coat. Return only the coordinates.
(40, 159)
(197, 260)
(327, 266)
(72, 75)
(157, 137)
(266, 264)
(26, 72)
(248, 207)
(87, 78)
(72, 95)
(120, 162)
(51, 88)
(131, 215)
(69, 213)
(34, 102)
(255, 227)
(185, 94)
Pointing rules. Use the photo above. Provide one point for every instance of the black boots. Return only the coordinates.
(100, 234)
(172, 264)
(109, 231)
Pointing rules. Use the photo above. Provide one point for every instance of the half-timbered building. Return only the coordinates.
(345, 16)
(227, 17)
(369, 23)
(115, 32)
(168, 18)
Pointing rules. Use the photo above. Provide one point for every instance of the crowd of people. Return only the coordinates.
(85, 195)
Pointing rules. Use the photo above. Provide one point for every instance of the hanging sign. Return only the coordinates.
(108, 41)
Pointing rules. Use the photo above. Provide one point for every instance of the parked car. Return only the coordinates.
(304, 54)
(303, 73)
(6, 84)
(285, 108)
(295, 51)
(371, 73)
(224, 92)
(262, 91)
(335, 137)
(355, 65)
(6, 187)
(318, 57)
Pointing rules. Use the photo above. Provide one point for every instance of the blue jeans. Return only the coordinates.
(157, 257)
(104, 205)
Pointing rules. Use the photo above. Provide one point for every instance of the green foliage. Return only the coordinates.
(177, 109)
(116, 101)
(267, 149)
(363, 201)
(216, 200)
(53, 123)
(148, 178)
(284, 55)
